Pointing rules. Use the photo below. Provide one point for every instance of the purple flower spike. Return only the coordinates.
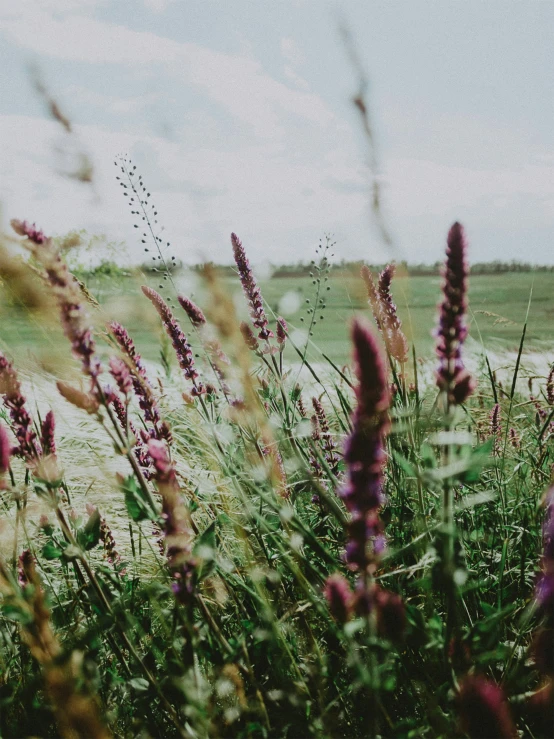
(544, 591)
(22, 423)
(24, 228)
(249, 339)
(197, 318)
(339, 596)
(484, 711)
(178, 338)
(364, 451)
(281, 332)
(251, 289)
(120, 372)
(372, 295)
(5, 452)
(494, 425)
(452, 377)
(47, 434)
(550, 387)
(390, 322)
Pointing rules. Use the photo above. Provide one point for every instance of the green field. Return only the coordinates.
(498, 305)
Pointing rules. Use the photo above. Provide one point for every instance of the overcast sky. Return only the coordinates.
(238, 114)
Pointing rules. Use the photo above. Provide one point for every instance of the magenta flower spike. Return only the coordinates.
(364, 453)
(281, 332)
(178, 339)
(483, 709)
(195, 314)
(122, 376)
(28, 445)
(390, 322)
(451, 376)
(251, 290)
(47, 434)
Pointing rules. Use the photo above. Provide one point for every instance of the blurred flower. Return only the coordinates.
(364, 451)
(10, 387)
(391, 324)
(338, 593)
(452, 377)
(483, 709)
(47, 434)
(197, 318)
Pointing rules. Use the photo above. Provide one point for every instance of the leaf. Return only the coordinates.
(137, 506)
(205, 548)
(89, 536)
(51, 551)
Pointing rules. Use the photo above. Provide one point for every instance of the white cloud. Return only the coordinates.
(237, 83)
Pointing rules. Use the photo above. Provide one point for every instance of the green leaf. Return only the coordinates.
(138, 507)
(89, 536)
(51, 551)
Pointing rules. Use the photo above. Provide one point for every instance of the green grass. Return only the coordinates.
(505, 295)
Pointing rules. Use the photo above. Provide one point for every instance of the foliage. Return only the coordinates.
(223, 605)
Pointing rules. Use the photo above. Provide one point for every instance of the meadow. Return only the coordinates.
(213, 528)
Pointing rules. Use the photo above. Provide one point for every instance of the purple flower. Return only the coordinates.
(197, 318)
(364, 451)
(329, 446)
(120, 372)
(338, 593)
(178, 338)
(544, 591)
(483, 709)
(22, 423)
(73, 317)
(249, 339)
(24, 228)
(452, 377)
(176, 524)
(47, 434)
(251, 290)
(281, 332)
(550, 386)
(5, 452)
(390, 322)
(494, 426)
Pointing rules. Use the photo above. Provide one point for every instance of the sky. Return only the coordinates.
(239, 116)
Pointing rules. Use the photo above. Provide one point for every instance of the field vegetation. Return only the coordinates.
(292, 519)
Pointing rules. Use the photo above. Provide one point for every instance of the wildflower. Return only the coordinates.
(328, 443)
(107, 538)
(550, 386)
(178, 338)
(139, 450)
(10, 387)
(176, 524)
(85, 401)
(390, 322)
(452, 377)
(141, 384)
(483, 709)
(364, 453)
(372, 294)
(47, 434)
(197, 318)
(249, 339)
(494, 427)
(338, 594)
(5, 452)
(24, 228)
(66, 290)
(120, 372)
(515, 441)
(251, 290)
(391, 614)
(281, 332)
(544, 591)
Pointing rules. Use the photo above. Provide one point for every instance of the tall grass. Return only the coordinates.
(299, 550)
